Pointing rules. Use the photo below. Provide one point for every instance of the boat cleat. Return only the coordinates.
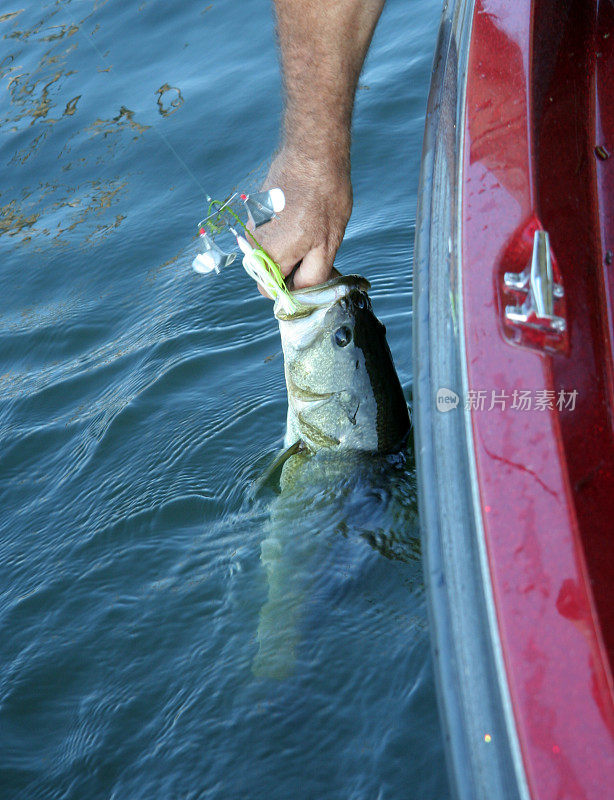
(539, 296)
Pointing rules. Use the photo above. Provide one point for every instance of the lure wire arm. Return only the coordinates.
(260, 207)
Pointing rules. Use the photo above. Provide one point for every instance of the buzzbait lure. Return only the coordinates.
(260, 207)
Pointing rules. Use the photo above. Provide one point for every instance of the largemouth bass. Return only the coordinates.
(345, 408)
(343, 390)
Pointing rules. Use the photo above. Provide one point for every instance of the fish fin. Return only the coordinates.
(271, 477)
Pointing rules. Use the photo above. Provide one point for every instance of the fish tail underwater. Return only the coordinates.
(163, 634)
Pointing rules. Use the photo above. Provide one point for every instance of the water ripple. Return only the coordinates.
(138, 402)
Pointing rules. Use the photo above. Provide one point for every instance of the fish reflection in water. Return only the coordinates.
(344, 475)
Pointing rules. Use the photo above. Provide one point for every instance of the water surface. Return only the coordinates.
(138, 401)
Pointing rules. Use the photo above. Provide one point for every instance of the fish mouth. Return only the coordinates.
(323, 295)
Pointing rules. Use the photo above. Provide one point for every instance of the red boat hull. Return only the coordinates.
(534, 115)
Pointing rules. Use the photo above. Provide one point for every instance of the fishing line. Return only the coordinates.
(154, 125)
(261, 207)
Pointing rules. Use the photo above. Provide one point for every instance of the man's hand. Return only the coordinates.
(323, 45)
(311, 227)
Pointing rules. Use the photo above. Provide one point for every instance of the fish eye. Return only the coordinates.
(359, 299)
(342, 336)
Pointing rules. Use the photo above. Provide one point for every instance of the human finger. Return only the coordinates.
(277, 241)
(316, 267)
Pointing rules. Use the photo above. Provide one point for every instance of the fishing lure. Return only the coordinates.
(260, 208)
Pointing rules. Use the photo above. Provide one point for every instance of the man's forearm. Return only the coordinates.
(323, 45)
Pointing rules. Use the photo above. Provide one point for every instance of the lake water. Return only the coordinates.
(139, 400)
